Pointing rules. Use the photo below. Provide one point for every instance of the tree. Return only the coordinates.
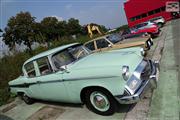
(73, 26)
(62, 28)
(49, 28)
(103, 28)
(19, 30)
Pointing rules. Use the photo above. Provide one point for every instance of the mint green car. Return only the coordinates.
(71, 73)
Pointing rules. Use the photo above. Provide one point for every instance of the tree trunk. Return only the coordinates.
(30, 48)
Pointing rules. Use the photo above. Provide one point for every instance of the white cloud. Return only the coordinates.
(59, 18)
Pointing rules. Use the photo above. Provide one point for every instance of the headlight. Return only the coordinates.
(125, 72)
(142, 52)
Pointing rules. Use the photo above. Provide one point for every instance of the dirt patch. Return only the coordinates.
(47, 113)
(11, 106)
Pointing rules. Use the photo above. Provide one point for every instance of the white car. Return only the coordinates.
(160, 21)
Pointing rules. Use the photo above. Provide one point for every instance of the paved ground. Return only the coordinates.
(164, 103)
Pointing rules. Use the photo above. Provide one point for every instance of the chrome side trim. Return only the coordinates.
(26, 85)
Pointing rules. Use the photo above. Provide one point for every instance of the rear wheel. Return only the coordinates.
(100, 102)
(27, 99)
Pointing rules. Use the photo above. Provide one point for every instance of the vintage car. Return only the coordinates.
(71, 73)
(116, 41)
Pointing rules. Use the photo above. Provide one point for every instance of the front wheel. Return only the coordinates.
(100, 102)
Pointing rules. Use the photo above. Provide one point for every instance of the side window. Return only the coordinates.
(44, 66)
(90, 45)
(102, 43)
(29, 67)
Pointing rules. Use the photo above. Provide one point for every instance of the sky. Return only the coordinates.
(104, 12)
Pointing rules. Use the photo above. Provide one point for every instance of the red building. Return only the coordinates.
(138, 11)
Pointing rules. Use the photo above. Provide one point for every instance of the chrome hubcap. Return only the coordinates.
(99, 101)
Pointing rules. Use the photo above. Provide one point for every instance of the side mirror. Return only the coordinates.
(64, 68)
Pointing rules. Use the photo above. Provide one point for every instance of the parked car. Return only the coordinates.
(116, 41)
(146, 27)
(126, 34)
(160, 21)
(72, 74)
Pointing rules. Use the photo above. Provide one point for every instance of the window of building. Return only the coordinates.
(29, 67)
(132, 19)
(144, 15)
(138, 17)
(151, 12)
(90, 45)
(163, 8)
(44, 66)
(157, 10)
(102, 43)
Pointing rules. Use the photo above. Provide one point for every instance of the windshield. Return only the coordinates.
(69, 55)
(114, 38)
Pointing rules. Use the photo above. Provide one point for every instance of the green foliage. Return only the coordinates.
(23, 29)
(123, 27)
(73, 26)
(10, 69)
(103, 28)
(19, 30)
(49, 28)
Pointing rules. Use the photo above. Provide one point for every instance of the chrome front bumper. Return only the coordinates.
(151, 83)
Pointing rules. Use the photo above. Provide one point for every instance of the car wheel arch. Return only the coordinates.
(83, 91)
(20, 93)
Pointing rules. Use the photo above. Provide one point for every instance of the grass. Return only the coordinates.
(10, 65)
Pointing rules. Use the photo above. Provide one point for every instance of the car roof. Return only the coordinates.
(49, 52)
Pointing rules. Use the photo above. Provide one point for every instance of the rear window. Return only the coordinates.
(29, 67)
(44, 66)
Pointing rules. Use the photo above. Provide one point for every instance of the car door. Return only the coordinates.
(102, 44)
(48, 84)
(30, 80)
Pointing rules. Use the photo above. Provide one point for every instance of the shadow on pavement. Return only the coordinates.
(60, 104)
(122, 108)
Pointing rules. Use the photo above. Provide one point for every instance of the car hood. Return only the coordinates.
(109, 59)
